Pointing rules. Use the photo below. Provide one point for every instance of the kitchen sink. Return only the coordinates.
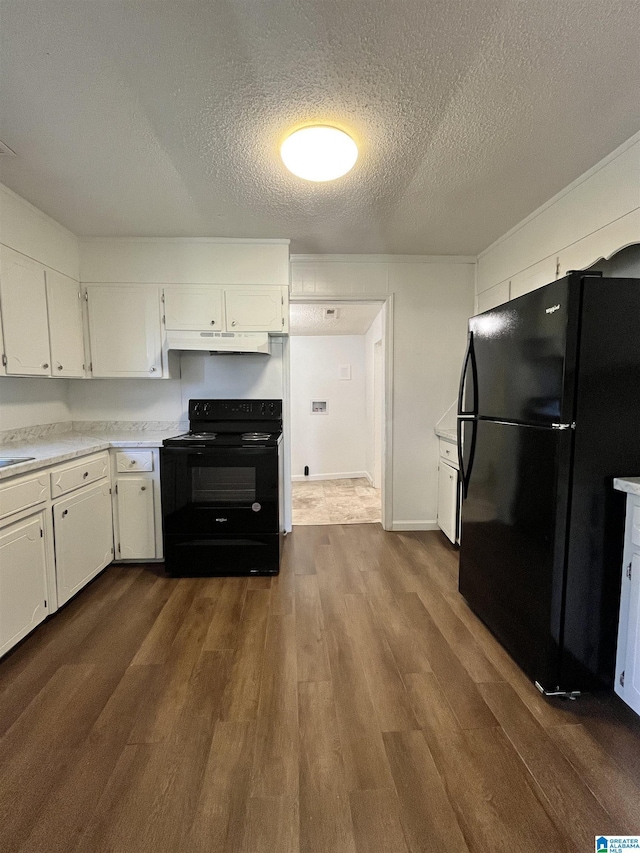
(14, 460)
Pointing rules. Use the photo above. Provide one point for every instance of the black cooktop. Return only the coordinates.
(231, 423)
(190, 439)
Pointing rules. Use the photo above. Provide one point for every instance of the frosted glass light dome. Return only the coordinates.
(319, 153)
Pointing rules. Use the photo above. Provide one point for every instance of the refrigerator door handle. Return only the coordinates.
(465, 476)
(459, 423)
(469, 356)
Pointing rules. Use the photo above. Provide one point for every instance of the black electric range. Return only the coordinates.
(221, 485)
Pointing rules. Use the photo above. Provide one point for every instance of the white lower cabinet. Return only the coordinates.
(627, 684)
(448, 500)
(135, 504)
(83, 531)
(23, 579)
(448, 517)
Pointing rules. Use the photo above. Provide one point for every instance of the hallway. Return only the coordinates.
(349, 501)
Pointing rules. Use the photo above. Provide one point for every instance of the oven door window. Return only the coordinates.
(223, 486)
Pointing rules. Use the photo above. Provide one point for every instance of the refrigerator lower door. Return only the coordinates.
(513, 540)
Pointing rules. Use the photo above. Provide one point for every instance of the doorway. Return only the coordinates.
(337, 403)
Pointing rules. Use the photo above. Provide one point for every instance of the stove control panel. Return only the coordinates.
(236, 410)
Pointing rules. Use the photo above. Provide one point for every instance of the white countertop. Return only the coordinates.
(50, 450)
(630, 485)
(448, 434)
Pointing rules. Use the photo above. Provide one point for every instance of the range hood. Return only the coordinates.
(219, 342)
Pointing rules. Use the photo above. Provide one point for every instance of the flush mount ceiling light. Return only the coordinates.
(319, 153)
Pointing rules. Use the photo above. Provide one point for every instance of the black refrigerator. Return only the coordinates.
(548, 415)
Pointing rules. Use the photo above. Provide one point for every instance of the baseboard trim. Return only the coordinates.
(348, 475)
(414, 525)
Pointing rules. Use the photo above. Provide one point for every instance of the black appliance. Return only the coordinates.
(222, 509)
(548, 414)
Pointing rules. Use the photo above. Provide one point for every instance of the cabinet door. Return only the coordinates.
(257, 309)
(124, 331)
(65, 325)
(447, 500)
(198, 308)
(23, 580)
(83, 535)
(136, 518)
(631, 685)
(24, 315)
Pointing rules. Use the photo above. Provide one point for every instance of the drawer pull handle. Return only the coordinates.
(59, 367)
(233, 323)
(133, 462)
(85, 475)
(143, 488)
(213, 322)
(45, 366)
(65, 512)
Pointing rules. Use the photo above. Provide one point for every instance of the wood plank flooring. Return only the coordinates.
(353, 704)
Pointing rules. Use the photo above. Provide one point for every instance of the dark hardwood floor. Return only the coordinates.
(353, 704)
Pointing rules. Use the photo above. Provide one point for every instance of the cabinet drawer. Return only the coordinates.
(23, 494)
(134, 460)
(449, 452)
(68, 479)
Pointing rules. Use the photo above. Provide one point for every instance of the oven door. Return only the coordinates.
(213, 491)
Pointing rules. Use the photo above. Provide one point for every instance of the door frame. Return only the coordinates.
(386, 303)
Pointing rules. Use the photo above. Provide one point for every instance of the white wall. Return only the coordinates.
(26, 402)
(33, 401)
(433, 298)
(332, 445)
(202, 375)
(594, 216)
(205, 260)
(30, 231)
(371, 338)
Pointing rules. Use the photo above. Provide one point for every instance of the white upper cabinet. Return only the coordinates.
(232, 309)
(23, 299)
(257, 309)
(65, 325)
(124, 330)
(197, 308)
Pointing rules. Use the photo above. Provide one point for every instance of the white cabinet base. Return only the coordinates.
(23, 579)
(136, 518)
(83, 538)
(448, 500)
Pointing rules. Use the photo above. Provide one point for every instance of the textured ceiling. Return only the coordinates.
(308, 318)
(164, 117)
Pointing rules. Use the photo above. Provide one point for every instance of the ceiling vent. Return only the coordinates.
(5, 151)
(330, 313)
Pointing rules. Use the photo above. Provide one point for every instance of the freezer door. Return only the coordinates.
(522, 356)
(513, 538)
(607, 441)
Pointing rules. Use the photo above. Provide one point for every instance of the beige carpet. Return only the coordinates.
(335, 502)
